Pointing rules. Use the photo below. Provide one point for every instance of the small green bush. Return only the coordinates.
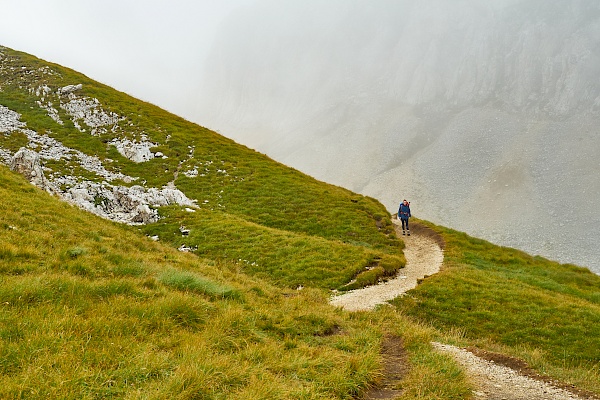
(187, 281)
(75, 252)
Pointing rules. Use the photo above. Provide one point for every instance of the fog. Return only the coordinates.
(151, 49)
(483, 114)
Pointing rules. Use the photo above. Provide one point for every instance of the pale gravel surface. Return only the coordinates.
(424, 257)
(497, 382)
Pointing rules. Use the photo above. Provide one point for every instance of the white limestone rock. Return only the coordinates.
(69, 89)
(9, 120)
(90, 112)
(135, 151)
(27, 162)
(192, 173)
(130, 205)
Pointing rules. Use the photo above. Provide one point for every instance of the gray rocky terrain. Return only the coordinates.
(484, 114)
(102, 195)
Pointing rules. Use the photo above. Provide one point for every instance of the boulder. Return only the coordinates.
(27, 162)
(144, 215)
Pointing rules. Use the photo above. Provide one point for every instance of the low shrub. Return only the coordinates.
(187, 281)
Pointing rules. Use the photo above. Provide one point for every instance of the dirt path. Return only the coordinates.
(498, 382)
(492, 381)
(424, 257)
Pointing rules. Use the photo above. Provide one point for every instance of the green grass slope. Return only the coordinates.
(93, 309)
(326, 233)
(507, 301)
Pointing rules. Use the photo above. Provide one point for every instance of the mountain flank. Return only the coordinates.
(153, 258)
(484, 114)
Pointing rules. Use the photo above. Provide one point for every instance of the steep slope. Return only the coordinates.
(94, 309)
(131, 162)
(483, 114)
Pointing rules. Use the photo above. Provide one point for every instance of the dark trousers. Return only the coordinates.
(404, 221)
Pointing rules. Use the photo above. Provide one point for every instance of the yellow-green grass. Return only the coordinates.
(284, 258)
(233, 181)
(508, 301)
(92, 309)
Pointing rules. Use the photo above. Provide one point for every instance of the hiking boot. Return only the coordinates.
(408, 232)
(403, 232)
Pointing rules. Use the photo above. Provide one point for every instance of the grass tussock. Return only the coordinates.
(188, 281)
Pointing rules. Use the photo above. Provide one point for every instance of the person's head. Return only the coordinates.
(405, 202)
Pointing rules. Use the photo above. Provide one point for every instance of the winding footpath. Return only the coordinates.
(491, 381)
(424, 257)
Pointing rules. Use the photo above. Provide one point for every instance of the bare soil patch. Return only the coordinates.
(395, 367)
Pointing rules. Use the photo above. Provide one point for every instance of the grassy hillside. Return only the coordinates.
(95, 309)
(332, 234)
(92, 309)
(507, 301)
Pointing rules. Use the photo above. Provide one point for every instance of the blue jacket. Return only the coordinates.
(404, 211)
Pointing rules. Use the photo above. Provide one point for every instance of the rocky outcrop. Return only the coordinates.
(135, 151)
(88, 111)
(131, 205)
(126, 204)
(69, 89)
(27, 163)
(9, 120)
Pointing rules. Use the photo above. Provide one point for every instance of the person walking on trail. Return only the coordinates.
(404, 215)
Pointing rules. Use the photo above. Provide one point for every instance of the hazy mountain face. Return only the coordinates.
(484, 114)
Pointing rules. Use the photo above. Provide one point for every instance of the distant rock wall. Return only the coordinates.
(484, 114)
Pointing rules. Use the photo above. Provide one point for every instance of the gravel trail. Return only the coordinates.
(492, 381)
(424, 257)
(497, 382)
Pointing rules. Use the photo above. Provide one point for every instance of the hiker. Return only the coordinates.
(404, 215)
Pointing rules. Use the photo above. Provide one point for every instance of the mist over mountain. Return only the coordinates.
(484, 114)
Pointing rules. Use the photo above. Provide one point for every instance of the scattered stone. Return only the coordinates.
(69, 89)
(130, 205)
(187, 249)
(9, 120)
(90, 112)
(192, 173)
(52, 149)
(134, 151)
